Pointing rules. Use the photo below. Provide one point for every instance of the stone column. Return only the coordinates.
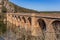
(22, 22)
(27, 24)
(50, 34)
(36, 29)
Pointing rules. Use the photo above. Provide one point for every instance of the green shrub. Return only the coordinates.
(2, 27)
(4, 9)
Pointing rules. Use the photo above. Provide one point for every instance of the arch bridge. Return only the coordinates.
(40, 24)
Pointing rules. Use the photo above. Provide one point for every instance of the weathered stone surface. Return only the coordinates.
(31, 26)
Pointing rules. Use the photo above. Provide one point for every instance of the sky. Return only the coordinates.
(39, 5)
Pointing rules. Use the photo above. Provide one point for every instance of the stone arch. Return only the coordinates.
(28, 25)
(24, 19)
(19, 18)
(42, 27)
(56, 26)
(14, 16)
(42, 24)
(29, 19)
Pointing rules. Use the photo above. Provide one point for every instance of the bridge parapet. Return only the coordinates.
(42, 15)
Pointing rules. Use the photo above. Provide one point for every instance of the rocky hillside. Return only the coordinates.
(11, 7)
(21, 9)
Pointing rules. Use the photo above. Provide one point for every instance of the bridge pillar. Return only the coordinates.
(50, 34)
(28, 26)
(22, 22)
(36, 29)
(34, 33)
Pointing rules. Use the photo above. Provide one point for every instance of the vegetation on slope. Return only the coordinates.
(2, 25)
(21, 9)
(4, 9)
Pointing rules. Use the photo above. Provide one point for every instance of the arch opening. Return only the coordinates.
(19, 18)
(24, 19)
(56, 26)
(42, 24)
(29, 20)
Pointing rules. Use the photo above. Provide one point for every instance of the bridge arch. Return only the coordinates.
(56, 26)
(42, 24)
(19, 18)
(42, 27)
(29, 19)
(24, 19)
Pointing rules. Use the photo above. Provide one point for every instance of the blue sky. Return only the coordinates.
(40, 5)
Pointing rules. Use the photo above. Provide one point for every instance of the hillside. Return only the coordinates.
(11, 7)
(22, 9)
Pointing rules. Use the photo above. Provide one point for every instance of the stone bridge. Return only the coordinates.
(46, 26)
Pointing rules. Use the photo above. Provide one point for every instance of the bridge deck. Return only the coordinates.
(43, 15)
